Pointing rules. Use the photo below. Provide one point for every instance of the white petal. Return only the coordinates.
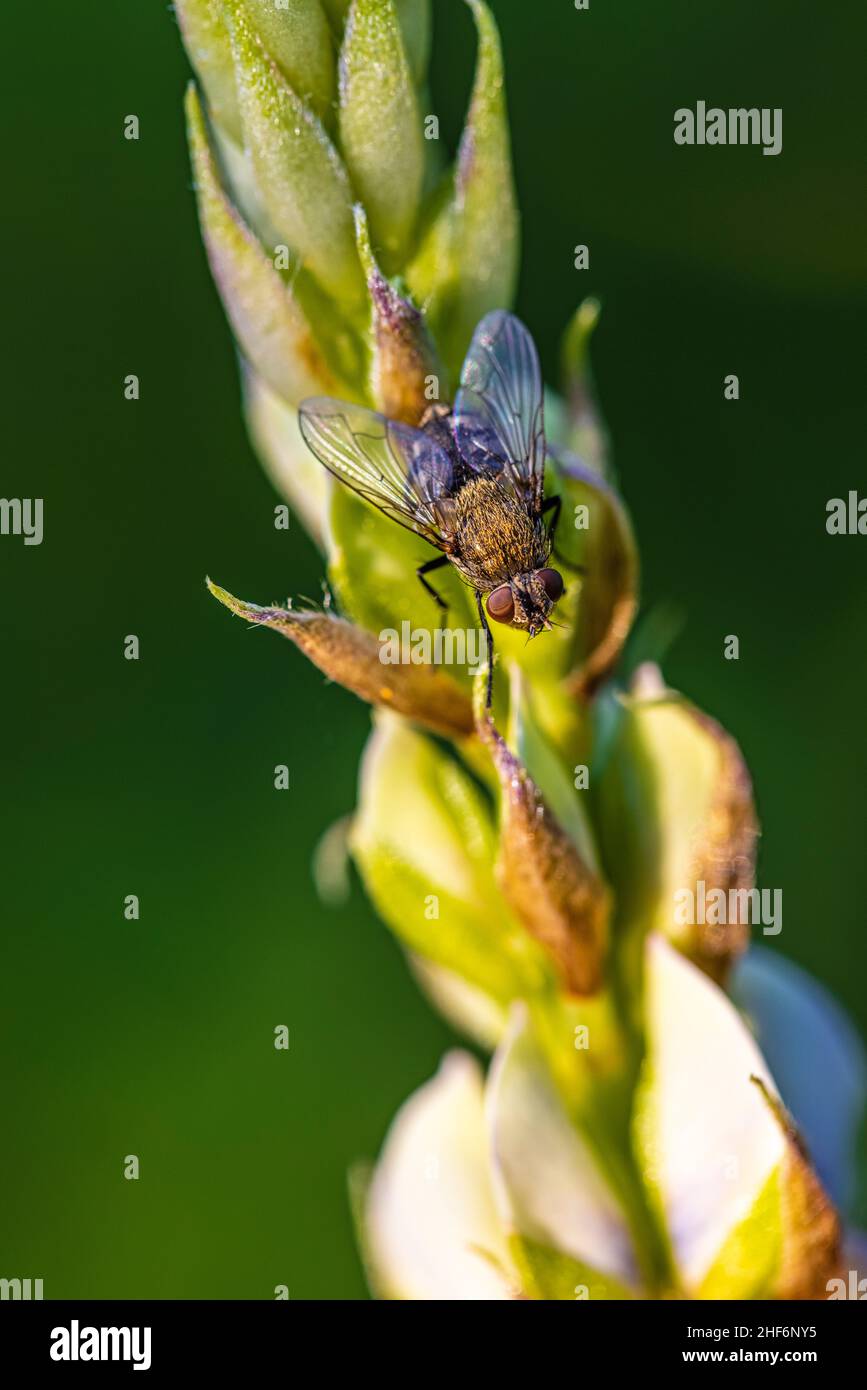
(469, 1010)
(548, 1185)
(432, 1225)
(817, 1057)
(709, 1138)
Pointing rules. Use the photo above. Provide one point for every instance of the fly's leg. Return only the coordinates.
(554, 504)
(436, 563)
(489, 644)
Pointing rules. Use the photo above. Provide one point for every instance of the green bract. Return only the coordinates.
(380, 125)
(630, 1138)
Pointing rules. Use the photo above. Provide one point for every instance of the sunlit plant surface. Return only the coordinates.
(570, 872)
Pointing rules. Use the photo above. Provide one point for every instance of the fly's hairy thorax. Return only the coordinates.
(495, 536)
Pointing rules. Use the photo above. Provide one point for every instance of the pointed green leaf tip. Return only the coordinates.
(300, 176)
(267, 320)
(586, 430)
(297, 35)
(380, 125)
(351, 656)
(468, 259)
(206, 40)
(415, 25)
(251, 611)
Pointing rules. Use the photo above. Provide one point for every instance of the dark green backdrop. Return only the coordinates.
(155, 778)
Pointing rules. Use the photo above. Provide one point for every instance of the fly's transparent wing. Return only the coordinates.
(399, 469)
(498, 423)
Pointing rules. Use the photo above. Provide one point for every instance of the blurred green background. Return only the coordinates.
(156, 1037)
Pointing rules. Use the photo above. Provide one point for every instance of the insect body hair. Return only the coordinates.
(496, 535)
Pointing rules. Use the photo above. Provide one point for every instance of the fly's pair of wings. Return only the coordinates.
(496, 424)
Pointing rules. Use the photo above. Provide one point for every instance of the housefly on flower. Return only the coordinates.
(470, 479)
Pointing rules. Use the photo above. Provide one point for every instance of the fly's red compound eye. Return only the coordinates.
(501, 604)
(552, 583)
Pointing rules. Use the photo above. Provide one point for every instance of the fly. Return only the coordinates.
(470, 479)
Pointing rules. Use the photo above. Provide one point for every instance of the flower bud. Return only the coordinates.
(206, 40)
(267, 319)
(677, 824)
(562, 903)
(300, 175)
(297, 35)
(404, 364)
(424, 841)
(468, 258)
(350, 656)
(380, 125)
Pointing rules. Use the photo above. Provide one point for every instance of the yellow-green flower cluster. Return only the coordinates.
(629, 1139)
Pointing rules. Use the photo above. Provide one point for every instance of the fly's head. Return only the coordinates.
(525, 602)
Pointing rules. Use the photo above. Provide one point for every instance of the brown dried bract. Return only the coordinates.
(350, 655)
(811, 1227)
(725, 853)
(560, 901)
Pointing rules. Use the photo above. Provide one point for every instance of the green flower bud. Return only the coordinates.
(380, 125)
(300, 175)
(297, 35)
(415, 26)
(424, 843)
(206, 40)
(629, 1140)
(675, 811)
(268, 321)
(468, 258)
